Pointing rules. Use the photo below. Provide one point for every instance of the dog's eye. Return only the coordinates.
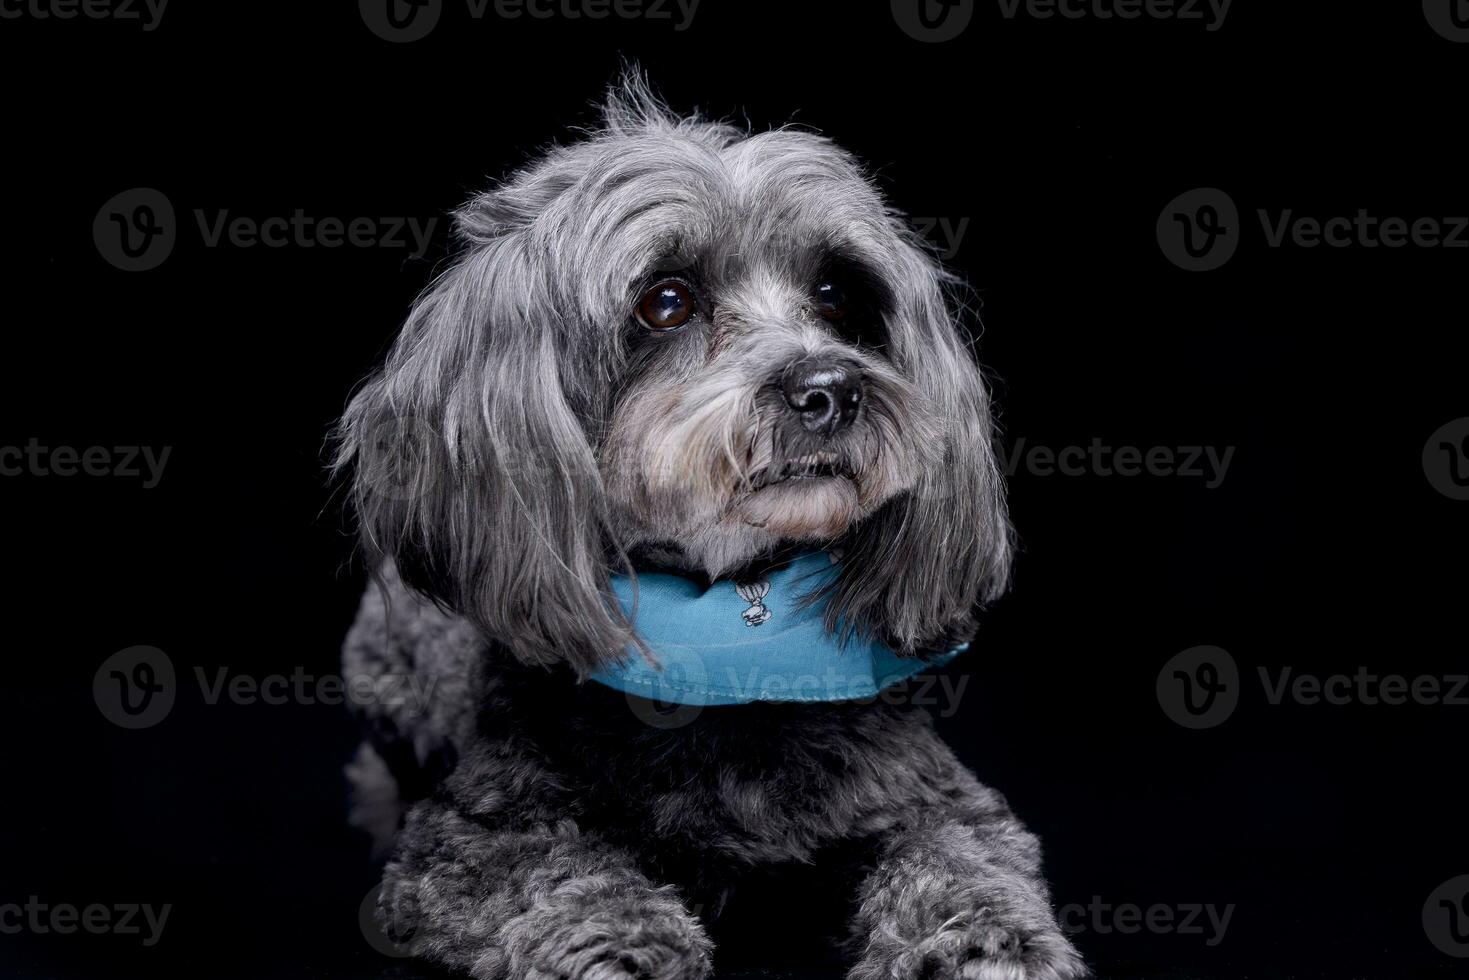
(831, 300)
(666, 306)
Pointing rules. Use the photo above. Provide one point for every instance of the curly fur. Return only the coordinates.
(525, 437)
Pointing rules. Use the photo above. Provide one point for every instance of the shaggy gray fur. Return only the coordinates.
(527, 435)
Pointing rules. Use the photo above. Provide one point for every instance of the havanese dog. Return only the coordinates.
(673, 476)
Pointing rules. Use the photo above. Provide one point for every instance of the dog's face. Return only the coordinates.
(765, 398)
(680, 337)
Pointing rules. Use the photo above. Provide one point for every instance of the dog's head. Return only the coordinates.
(677, 336)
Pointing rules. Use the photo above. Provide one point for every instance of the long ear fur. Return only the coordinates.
(470, 461)
(914, 572)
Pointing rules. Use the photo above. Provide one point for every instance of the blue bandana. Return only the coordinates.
(734, 643)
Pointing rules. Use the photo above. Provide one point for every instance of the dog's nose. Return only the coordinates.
(824, 394)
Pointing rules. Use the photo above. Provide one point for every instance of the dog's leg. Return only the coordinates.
(961, 897)
(537, 900)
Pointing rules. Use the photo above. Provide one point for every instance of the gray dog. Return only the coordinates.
(677, 350)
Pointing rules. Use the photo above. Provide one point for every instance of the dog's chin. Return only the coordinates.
(802, 508)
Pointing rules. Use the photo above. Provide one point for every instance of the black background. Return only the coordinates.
(1325, 548)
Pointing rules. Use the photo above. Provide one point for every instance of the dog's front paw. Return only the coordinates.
(625, 943)
(977, 947)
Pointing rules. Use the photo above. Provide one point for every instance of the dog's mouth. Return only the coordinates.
(810, 497)
(813, 466)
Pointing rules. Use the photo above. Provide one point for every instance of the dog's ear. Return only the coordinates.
(470, 463)
(914, 572)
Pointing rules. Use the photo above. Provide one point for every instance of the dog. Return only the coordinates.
(677, 350)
